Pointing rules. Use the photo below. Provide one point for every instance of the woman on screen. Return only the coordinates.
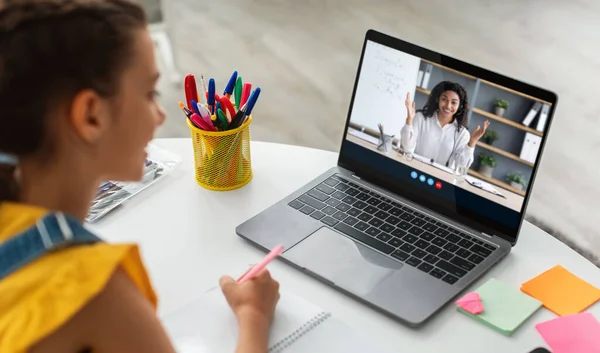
(439, 131)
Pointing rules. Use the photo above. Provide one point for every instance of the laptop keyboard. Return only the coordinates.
(396, 230)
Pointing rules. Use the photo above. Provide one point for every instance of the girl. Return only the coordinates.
(78, 106)
(438, 130)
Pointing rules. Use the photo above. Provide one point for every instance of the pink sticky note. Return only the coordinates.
(471, 303)
(572, 333)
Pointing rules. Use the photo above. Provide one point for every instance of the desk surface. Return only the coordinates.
(187, 239)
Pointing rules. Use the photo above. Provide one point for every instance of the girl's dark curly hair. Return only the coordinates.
(432, 102)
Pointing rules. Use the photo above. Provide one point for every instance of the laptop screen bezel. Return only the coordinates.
(461, 214)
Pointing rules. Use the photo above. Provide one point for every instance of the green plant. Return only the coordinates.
(501, 103)
(517, 178)
(490, 136)
(485, 159)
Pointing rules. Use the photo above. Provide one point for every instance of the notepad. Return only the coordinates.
(572, 333)
(208, 325)
(561, 291)
(504, 308)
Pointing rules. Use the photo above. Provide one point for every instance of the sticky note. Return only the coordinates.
(471, 303)
(561, 291)
(505, 307)
(572, 333)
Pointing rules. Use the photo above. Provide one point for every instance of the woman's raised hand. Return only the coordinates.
(410, 109)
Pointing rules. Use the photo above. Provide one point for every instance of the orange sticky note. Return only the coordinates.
(561, 291)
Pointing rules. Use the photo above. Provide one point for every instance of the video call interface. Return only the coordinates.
(445, 129)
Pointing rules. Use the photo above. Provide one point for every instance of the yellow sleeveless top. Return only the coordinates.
(40, 297)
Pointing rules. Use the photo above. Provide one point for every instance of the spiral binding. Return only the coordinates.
(296, 335)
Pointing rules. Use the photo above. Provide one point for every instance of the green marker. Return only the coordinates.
(238, 92)
(222, 119)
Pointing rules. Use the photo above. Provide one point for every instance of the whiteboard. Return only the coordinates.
(385, 77)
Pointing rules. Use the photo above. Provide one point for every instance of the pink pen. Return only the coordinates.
(261, 265)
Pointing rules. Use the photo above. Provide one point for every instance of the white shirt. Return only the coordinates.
(442, 144)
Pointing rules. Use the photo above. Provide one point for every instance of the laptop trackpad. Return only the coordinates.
(339, 259)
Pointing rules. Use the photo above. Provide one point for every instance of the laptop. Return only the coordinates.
(398, 229)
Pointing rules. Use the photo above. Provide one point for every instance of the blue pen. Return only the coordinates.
(195, 106)
(252, 100)
(230, 85)
(211, 95)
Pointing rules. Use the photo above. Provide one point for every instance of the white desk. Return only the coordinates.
(187, 239)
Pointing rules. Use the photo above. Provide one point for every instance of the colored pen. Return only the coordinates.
(230, 85)
(199, 122)
(195, 107)
(245, 93)
(252, 100)
(211, 95)
(238, 92)
(222, 119)
(261, 265)
(237, 119)
(204, 86)
(227, 106)
(191, 92)
(204, 112)
(188, 113)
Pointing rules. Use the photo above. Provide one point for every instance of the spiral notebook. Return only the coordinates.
(208, 325)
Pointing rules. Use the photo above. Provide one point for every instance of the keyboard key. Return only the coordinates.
(335, 177)
(404, 225)
(362, 196)
(480, 250)
(296, 204)
(407, 217)
(418, 222)
(449, 279)
(352, 192)
(413, 261)
(373, 201)
(439, 224)
(398, 233)
(329, 210)
(407, 247)
(463, 253)
(396, 211)
(408, 210)
(353, 184)
(312, 202)
(444, 226)
(307, 209)
(317, 215)
(421, 244)
(328, 190)
(419, 214)
(410, 238)
(425, 267)
(373, 231)
(365, 217)
(475, 259)
(434, 249)
(453, 238)
(332, 202)
(400, 255)
(343, 207)
(441, 232)
(451, 269)
(331, 182)
(361, 226)
(370, 209)
(392, 220)
(374, 194)
(395, 242)
(329, 221)
(340, 216)
(387, 228)
(427, 236)
(437, 273)
(349, 200)
(342, 187)
(432, 259)
(346, 229)
(416, 231)
(360, 205)
(439, 241)
(462, 263)
(488, 246)
(446, 255)
(465, 243)
(338, 195)
(477, 241)
(354, 212)
(350, 221)
(451, 247)
(318, 195)
(384, 206)
(384, 237)
(430, 227)
(376, 222)
(419, 253)
(381, 214)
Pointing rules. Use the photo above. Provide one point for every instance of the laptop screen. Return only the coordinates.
(456, 138)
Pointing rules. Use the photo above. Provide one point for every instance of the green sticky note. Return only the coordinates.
(504, 308)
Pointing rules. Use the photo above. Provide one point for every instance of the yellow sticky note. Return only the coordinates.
(561, 291)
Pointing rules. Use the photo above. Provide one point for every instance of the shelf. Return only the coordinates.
(503, 153)
(423, 90)
(515, 92)
(507, 122)
(449, 69)
(497, 182)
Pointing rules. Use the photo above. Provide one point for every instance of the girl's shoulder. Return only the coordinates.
(44, 294)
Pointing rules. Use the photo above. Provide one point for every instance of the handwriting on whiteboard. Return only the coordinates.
(390, 72)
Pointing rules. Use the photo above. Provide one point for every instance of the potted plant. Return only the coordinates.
(500, 107)
(490, 136)
(516, 180)
(486, 164)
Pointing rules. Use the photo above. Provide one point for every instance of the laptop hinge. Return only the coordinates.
(356, 176)
(487, 235)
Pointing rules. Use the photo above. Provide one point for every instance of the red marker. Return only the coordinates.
(246, 93)
(227, 107)
(191, 92)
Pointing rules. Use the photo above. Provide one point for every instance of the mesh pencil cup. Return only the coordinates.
(222, 158)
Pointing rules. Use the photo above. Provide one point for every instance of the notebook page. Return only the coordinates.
(208, 324)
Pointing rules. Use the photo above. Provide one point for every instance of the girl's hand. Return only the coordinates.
(478, 133)
(410, 109)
